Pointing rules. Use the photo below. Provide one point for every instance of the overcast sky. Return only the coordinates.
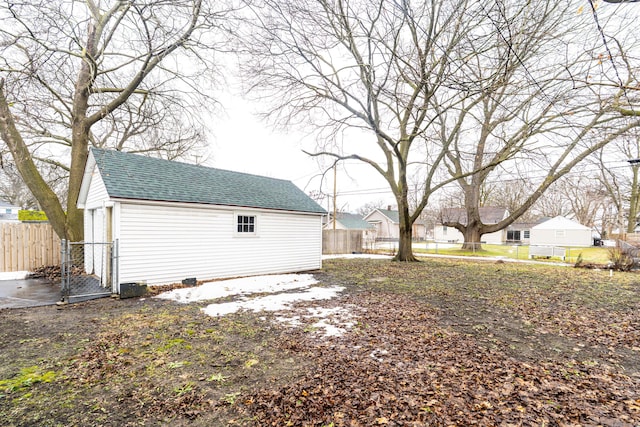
(242, 142)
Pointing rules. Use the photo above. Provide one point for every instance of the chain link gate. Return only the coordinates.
(88, 270)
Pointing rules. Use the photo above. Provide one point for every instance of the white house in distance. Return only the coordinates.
(488, 215)
(8, 212)
(561, 231)
(175, 220)
(386, 223)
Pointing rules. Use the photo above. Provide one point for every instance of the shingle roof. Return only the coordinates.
(488, 215)
(392, 215)
(131, 176)
(353, 222)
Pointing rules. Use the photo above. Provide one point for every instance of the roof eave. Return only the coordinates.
(204, 204)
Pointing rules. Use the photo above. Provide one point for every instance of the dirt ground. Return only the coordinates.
(438, 342)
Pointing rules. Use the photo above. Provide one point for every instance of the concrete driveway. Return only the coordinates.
(19, 293)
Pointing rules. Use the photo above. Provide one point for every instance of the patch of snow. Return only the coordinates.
(242, 286)
(290, 321)
(275, 302)
(13, 275)
(332, 321)
(330, 330)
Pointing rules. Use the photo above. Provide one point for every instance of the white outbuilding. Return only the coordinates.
(560, 231)
(171, 221)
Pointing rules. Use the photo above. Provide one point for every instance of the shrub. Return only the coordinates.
(622, 257)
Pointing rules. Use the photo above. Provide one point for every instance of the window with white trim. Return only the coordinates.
(246, 224)
(527, 234)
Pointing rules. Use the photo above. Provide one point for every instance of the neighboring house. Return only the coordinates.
(8, 212)
(488, 215)
(175, 220)
(387, 225)
(349, 221)
(561, 231)
(520, 232)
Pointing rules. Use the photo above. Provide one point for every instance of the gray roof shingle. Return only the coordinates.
(132, 176)
(353, 222)
(391, 214)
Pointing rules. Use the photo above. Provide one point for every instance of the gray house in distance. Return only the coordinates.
(176, 220)
(488, 215)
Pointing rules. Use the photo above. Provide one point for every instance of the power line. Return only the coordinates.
(383, 190)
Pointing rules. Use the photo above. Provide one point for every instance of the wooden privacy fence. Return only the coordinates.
(27, 246)
(341, 241)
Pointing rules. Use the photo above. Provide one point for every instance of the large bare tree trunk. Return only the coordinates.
(472, 238)
(405, 251)
(27, 168)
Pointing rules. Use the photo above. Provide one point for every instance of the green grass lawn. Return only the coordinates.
(592, 254)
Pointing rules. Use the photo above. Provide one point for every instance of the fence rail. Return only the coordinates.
(342, 241)
(25, 247)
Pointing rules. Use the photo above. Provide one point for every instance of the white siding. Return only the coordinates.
(164, 244)
(385, 228)
(551, 237)
(446, 234)
(452, 234)
(495, 238)
(97, 193)
(96, 256)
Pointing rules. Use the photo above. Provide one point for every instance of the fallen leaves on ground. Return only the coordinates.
(399, 366)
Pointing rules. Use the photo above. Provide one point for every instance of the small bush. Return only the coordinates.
(622, 258)
(579, 261)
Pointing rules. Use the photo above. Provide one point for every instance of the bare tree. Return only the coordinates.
(621, 180)
(535, 122)
(369, 75)
(119, 73)
(369, 207)
(507, 194)
(587, 198)
(13, 189)
(551, 203)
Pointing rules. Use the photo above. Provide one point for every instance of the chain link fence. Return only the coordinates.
(88, 270)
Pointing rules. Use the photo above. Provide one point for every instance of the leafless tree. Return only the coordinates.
(369, 207)
(132, 75)
(13, 189)
(369, 75)
(551, 203)
(535, 122)
(621, 180)
(507, 194)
